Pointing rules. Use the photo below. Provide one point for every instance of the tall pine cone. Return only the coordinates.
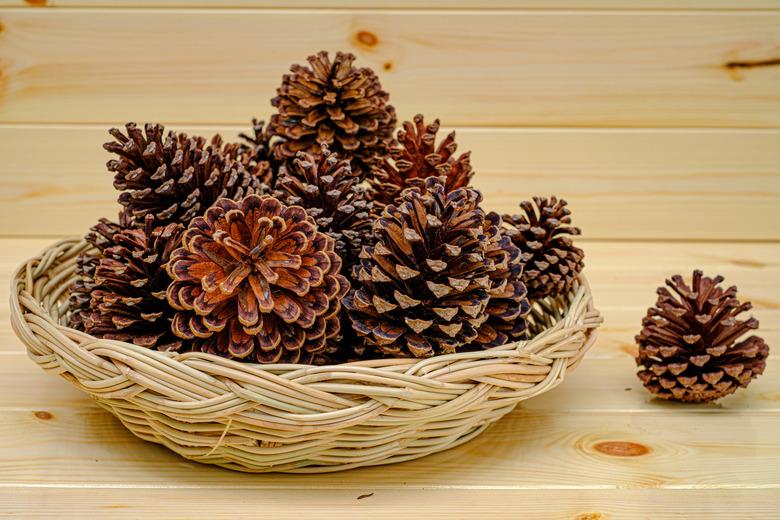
(424, 286)
(174, 178)
(336, 104)
(543, 233)
(417, 157)
(254, 279)
(687, 346)
(327, 188)
(128, 298)
(100, 237)
(508, 306)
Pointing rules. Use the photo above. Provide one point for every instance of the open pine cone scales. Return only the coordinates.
(417, 157)
(327, 187)
(256, 280)
(129, 283)
(508, 305)
(423, 288)
(333, 103)
(688, 348)
(174, 178)
(543, 233)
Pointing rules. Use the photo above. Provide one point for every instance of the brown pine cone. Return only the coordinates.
(128, 298)
(543, 233)
(175, 178)
(326, 187)
(100, 236)
(417, 157)
(336, 104)
(508, 306)
(256, 152)
(423, 288)
(255, 280)
(687, 346)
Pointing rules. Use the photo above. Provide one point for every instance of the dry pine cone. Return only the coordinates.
(423, 288)
(416, 158)
(100, 236)
(333, 103)
(256, 152)
(255, 280)
(508, 306)
(128, 298)
(688, 348)
(543, 233)
(326, 187)
(175, 178)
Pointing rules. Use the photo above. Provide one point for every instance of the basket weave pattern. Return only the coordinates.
(295, 418)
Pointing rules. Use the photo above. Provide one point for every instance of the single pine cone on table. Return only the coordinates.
(255, 280)
(423, 287)
(127, 300)
(175, 178)
(333, 103)
(688, 349)
(417, 157)
(543, 233)
(329, 191)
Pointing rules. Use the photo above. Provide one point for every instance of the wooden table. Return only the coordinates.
(657, 120)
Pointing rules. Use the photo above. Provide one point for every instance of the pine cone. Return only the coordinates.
(687, 346)
(417, 157)
(175, 178)
(254, 279)
(543, 234)
(128, 298)
(508, 306)
(256, 152)
(101, 236)
(326, 187)
(424, 286)
(336, 104)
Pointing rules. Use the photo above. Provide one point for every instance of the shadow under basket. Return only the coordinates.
(295, 418)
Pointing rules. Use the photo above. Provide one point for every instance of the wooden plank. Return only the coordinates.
(581, 68)
(409, 4)
(632, 184)
(525, 450)
(599, 385)
(624, 277)
(365, 502)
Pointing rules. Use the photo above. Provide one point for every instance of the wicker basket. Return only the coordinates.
(295, 418)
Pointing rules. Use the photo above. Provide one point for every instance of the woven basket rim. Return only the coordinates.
(159, 395)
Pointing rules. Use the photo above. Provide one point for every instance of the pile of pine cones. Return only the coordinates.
(323, 237)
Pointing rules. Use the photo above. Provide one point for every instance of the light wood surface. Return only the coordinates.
(410, 4)
(659, 121)
(584, 68)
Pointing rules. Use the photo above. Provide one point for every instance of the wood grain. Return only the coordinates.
(628, 184)
(366, 502)
(527, 449)
(624, 277)
(409, 4)
(578, 68)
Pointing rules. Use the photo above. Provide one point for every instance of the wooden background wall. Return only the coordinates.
(656, 119)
